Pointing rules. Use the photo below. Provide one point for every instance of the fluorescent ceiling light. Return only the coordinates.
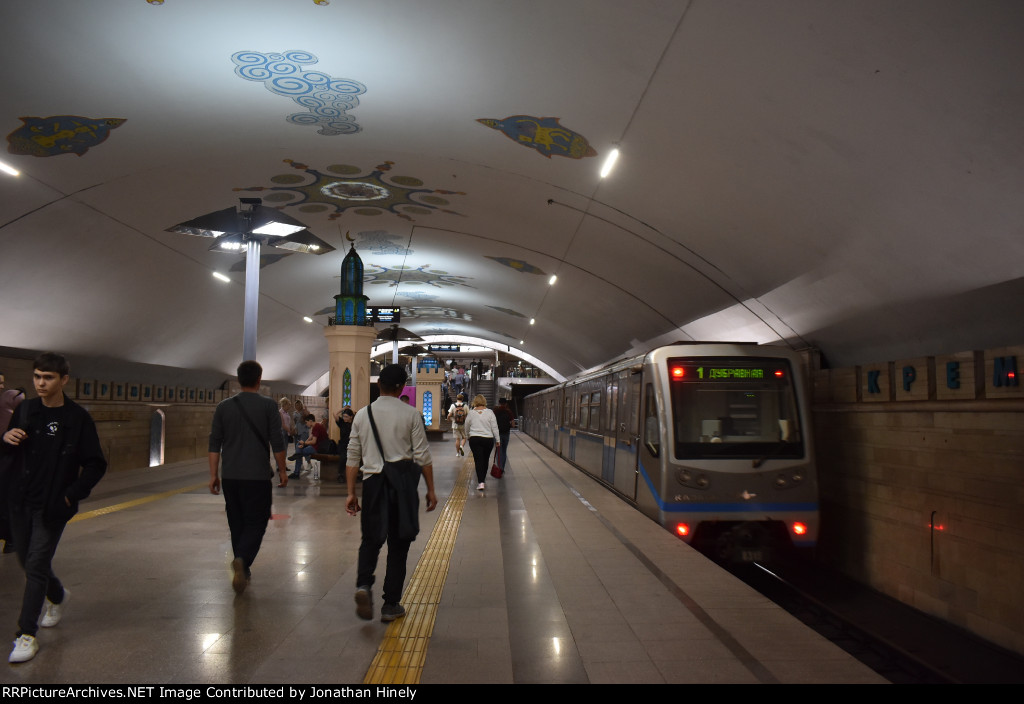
(278, 229)
(218, 275)
(532, 321)
(307, 319)
(7, 169)
(609, 162)
(553, 279)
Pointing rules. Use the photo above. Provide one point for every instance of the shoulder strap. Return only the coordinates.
(373, 426)
(252, 426)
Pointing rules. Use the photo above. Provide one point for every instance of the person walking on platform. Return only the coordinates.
(482, 429)
(503, 415)
(301, 434)
(389, 444)
(457, 415)
(243, 427)
(52, 451)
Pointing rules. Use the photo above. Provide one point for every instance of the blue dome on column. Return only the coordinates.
(350, 304)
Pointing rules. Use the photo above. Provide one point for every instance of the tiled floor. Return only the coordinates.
(541, 587)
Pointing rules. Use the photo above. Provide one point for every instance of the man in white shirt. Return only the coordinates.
(390, 499)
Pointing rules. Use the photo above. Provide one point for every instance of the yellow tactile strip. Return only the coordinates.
(403, 652)
(135, 502)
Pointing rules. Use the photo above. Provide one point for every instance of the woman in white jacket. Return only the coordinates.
(482, 431)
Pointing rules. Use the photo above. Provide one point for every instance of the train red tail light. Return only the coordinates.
(778, 373)
(799, 528)
(678, 372)
(682, 530)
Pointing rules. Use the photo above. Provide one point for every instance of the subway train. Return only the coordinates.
(710, 439)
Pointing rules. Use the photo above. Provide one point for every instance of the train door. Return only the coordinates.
(627, 433)
(608, 436)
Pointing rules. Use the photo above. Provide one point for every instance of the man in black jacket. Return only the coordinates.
(56, 462)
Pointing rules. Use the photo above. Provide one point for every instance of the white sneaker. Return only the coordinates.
(52, 613)
(481, 486)
(25, 648)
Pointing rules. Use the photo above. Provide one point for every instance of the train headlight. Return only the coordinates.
(780, 481)
(702, 482)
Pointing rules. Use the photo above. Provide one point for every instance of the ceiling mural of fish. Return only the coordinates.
(543, 134)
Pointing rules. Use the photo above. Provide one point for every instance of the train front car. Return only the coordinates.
(725, 451)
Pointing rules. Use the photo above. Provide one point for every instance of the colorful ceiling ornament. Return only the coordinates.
(60, 134)
(544, 134)
(342, 189)
(421, 275)
(380, 242)
(519, 265)
(325, 99)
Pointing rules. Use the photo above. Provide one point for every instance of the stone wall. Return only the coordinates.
(921, 466)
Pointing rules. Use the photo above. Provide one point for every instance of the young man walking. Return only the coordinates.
(390, 499)
(457, 415)
(245, 429)
(54, 456)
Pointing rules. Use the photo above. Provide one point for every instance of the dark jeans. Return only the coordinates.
(247, 503)
(36, 543)
(380, 521)
(481, 448)
(503, 450)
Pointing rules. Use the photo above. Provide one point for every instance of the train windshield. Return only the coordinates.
(734, 408)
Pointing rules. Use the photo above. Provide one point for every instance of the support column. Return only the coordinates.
(348, 347)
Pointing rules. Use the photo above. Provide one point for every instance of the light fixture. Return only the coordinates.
(532, 321)
(218, 275)
(609, 162)
(8, 169)
(553, 279)
(249, 227)
(307, 319)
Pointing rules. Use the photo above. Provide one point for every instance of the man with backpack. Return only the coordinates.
(457, 415)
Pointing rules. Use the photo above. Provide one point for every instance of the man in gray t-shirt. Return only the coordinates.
(243, 427)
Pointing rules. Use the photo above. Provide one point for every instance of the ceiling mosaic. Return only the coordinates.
(325, 100)
(543, 134)
(60, 134)
(414, 275)
(342, 187)
(380, 242)
(519, 265)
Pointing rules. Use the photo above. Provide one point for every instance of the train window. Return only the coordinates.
(734, 408)
(595, 411)
(652, 438)
(584, 414)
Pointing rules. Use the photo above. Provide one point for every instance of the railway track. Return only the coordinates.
(897, 642)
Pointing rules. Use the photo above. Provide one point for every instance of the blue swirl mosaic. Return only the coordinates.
(326, 100)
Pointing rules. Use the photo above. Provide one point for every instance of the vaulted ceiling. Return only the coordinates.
(845, 175)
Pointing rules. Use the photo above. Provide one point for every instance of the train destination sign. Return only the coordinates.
(697, 371)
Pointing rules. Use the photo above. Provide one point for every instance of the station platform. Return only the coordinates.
(545, 577)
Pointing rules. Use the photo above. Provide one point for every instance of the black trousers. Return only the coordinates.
(382, 520)
(247, 503)
(36, 543)
(481, 448)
